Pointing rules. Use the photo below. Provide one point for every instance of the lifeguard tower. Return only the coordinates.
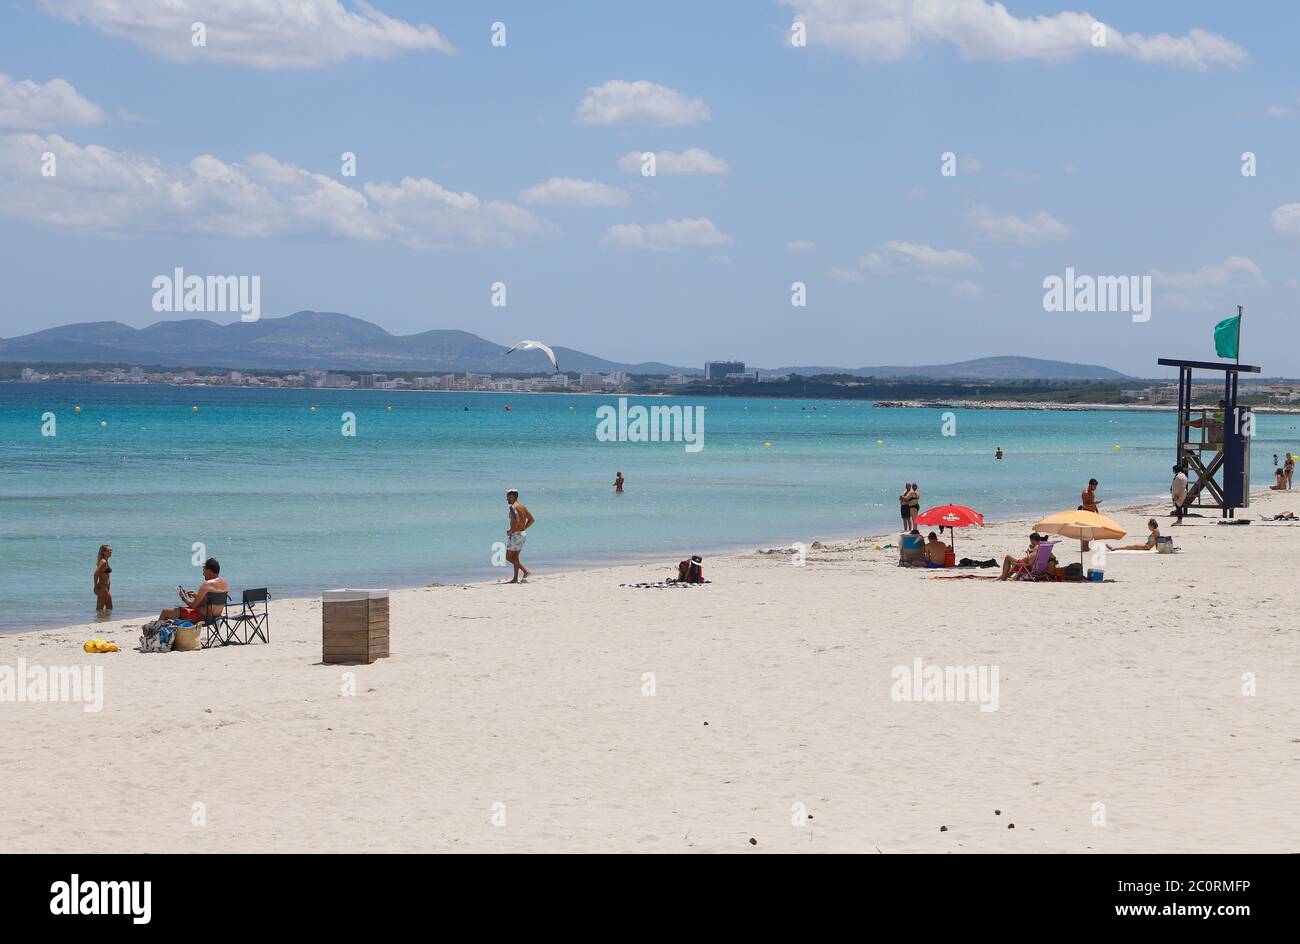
(1213, 444)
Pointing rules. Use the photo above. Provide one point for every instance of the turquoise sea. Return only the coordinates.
(284, 500)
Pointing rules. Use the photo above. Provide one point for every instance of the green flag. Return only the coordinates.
(1225, 336)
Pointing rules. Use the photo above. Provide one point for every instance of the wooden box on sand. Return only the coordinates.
(354, 625)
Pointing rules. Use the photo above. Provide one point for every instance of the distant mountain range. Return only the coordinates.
(319, 340)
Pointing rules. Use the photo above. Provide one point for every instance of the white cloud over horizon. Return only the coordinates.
(667, 236)
(1039, 228)
(124, 193)
(640, 103)
(263, 34)
(1205, 287)
(692, 162)
(1286, 219)
(889, 30)
(569, 192)
(34, 106)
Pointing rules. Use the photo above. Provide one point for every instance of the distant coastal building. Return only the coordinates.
(718, 370)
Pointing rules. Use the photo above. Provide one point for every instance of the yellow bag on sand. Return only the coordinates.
(187, 639)
(100, 645)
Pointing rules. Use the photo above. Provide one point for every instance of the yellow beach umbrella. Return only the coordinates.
(1081, 526)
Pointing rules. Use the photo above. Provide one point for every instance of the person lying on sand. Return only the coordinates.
(1152, 538)
(936, 552)
(1025, 564)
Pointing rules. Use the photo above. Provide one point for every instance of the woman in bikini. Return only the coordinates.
(914, 502)
(103, 580)
(1152, 538)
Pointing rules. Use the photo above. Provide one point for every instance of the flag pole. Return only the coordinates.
(1239, 335)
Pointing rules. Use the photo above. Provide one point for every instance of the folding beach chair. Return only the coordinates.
(911, 550)
(216, 628)
(255, 624)
(1038, 569)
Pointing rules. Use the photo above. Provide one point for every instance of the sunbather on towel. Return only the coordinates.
(1023, 565)
(213, 582)
(1152, 539)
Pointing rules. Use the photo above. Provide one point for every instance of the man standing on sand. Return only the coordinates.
(1090, 499)
(1178, 491)
(521, 519)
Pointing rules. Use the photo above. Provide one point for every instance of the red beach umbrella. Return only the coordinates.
(950, 516)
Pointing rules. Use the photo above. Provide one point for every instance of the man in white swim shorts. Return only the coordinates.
(521, 519)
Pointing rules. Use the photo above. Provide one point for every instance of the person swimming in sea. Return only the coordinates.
(103, 580)
(999, 453)
(618, 483)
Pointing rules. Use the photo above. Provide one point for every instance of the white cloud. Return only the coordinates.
(1286, 219)
(693, 162)
(568, 192)
(801, 245)
(925, 263)
(1235, 270)
(1278, 111)
(970, 165)
(124, 193)
(928, 258)
(847, 276)
(966, 290)
(259, 33)
(888, 30)
(38, 107)
(640, 103)
(665, 237)
(1206, 289)
(428, 216)
(1039, 228)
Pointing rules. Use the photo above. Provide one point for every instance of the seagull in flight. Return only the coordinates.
(537, 346)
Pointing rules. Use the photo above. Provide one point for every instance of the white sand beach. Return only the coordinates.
(772, 688)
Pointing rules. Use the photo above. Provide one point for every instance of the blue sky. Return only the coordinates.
(1122, 160)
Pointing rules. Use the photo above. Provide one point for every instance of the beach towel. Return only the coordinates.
(662, 584)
